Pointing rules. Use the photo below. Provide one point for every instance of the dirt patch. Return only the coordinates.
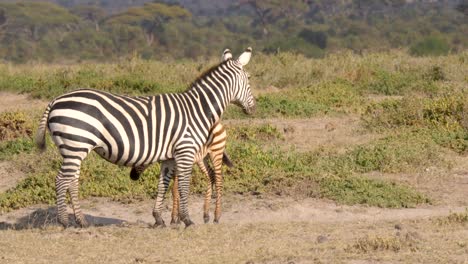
(11, 101)
(252, 230)
(9, 175)
(236, 210)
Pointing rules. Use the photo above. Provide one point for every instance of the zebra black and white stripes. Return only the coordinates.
(138, 131)
(215, 149)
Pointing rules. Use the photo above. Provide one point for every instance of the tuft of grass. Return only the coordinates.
(443, 117)
(396, 153)
(359, 190)
(337, 96)
(372, 243)
(454, 218)
(390, 83)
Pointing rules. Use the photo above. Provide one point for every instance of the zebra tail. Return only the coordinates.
(227, 160)
(41, 131)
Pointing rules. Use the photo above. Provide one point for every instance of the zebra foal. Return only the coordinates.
(138, 131)
(215, 149)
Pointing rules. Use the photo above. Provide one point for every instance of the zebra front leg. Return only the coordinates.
(74, 188)
(219, 194)
(167, 170)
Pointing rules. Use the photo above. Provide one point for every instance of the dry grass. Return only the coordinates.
(394, 243)
(254, 243)
(454, 219)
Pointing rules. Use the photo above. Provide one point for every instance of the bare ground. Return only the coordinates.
(253, 229)
(11, 101)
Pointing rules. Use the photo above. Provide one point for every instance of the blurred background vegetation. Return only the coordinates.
(105, 30)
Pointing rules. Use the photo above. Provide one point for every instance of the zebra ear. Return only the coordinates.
(244, 58)
(226, 55)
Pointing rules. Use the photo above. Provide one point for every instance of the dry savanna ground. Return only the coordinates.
(283, 223)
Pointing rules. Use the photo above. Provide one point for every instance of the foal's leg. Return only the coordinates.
(175, 202)
(205, 168)
(217, 159)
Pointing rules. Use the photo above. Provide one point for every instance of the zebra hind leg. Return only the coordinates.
(67, 180)
(61, 186)
(79, 216)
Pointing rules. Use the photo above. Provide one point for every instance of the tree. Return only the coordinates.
(268, 11)
(91, 13)
(462, 8)
(151, 17)
(317, 38)
(35, 17)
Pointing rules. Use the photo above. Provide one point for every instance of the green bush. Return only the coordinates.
(444, 117)
(294, 44)
(359, 190)
(430, 46)
(14, 147)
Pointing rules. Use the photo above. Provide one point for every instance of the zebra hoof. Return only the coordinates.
(162, 225)
(188, 223)
(175, 221)
(159, 223)
(206, 218)
(82, 223)
(63, 222)
(175, 224)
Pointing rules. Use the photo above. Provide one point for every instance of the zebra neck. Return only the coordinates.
(209, 101)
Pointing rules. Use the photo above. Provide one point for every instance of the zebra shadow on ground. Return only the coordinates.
(43, 218)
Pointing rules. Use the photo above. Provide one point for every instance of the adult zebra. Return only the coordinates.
(136, 131)
(215, 149)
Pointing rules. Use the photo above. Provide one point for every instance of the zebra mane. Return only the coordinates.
(205, 73)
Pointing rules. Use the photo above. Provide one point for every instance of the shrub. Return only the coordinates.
(294, 44)
(14, 125)
(359, 190)
(435, 73)
(444, 117)
(318, 38)
(430, 46)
